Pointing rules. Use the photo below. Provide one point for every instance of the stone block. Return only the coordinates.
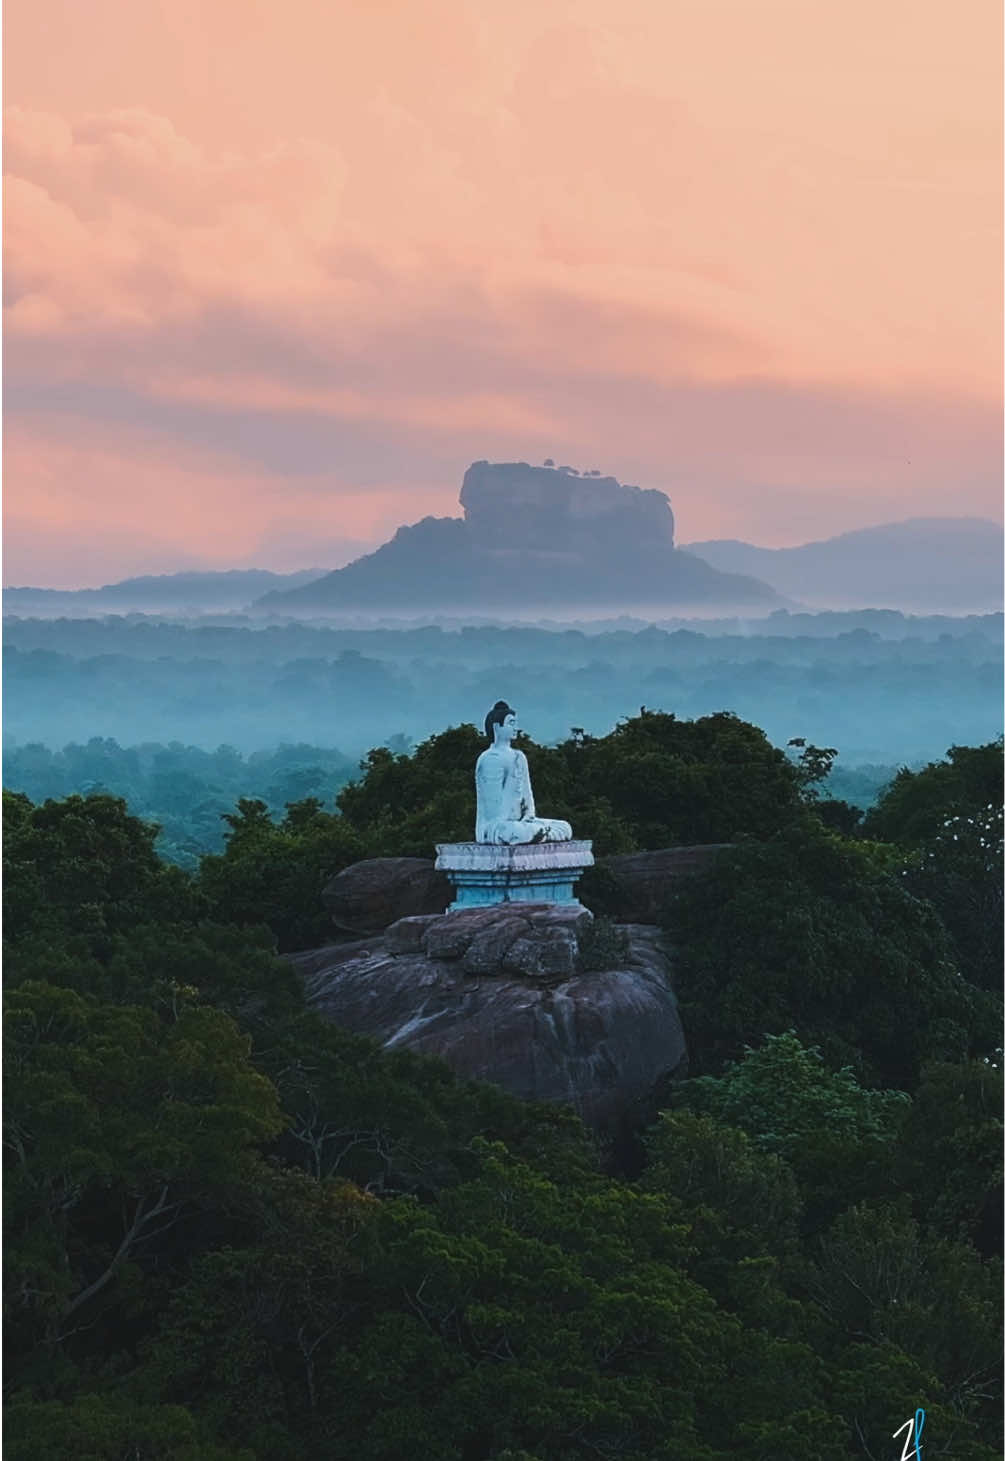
(448, 937)
(568, 916)
(486, 951)
(543, 956)
(407, 935)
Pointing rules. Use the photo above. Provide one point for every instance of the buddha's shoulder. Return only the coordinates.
(494, 757)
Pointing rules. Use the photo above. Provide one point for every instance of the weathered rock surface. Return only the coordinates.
(638, 884)
(514, 505)
(368, 896)
(531, 1023)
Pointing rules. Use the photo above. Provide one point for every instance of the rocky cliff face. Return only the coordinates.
(506, 994)
(510, 505)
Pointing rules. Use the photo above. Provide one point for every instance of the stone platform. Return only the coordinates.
(483, 873)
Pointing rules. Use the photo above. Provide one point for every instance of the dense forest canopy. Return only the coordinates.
(236, 1232)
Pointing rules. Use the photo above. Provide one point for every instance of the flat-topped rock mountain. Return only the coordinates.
(532, 538)
(509, 506)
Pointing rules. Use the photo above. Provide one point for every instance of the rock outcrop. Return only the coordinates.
(532, 538)
(635, 886)
(367, 896)
(501, 994)
(510, 505)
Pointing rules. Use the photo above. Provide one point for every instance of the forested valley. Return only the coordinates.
(236, 1232)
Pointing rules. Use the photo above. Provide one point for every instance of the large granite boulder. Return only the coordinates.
(635, 886)
(506, 994)
(368, 896)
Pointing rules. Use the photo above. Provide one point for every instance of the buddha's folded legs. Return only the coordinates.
(531, 829)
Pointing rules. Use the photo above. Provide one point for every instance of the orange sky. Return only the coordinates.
(278, 270)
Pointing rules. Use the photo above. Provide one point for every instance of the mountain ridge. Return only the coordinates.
(209, 588)
(916, 564)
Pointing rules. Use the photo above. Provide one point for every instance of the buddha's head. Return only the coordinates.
(500, 723)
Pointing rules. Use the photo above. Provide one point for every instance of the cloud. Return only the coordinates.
(543, 238)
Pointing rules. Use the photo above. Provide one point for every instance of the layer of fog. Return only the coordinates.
(878, 686)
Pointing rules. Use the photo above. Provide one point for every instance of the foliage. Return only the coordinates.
(811, 932)
(917, 804)
(886, 1289)
(836, 1135)
(404, 804)
(82, 865)
(237, 1232)
(603, 946)
(89, 906)
(961, 871)
(119, 1122)
(99, 1427)
(653, 782)
(949, 817)
(186, 791)
(398, 1122)
(949, 1152)
(273, 873)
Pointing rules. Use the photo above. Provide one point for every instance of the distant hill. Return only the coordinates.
(178, 593)
(533, 538)
(923, 565)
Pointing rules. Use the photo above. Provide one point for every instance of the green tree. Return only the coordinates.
(961, 871)
(102, 1427)
(83, 866)
(118, 1124)
(741, 1205)
(949, 1152)
(836, 1135)
(810, 932)
(403, 805)
(397, 1122)
(916, 805)
(653, 782)
(891, 1293)
(273, 873)
(90, 906)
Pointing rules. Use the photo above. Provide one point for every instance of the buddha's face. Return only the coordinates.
(507, 729)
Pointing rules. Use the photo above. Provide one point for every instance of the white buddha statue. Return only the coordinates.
(505, 802)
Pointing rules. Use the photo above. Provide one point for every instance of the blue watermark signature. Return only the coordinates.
(913, 1427)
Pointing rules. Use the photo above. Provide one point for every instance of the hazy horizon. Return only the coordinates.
(345, 553)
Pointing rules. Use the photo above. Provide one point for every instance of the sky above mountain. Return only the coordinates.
(277, 271)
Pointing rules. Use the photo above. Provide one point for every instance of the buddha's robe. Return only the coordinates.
(505, 802)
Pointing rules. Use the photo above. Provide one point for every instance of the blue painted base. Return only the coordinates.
(486, 873)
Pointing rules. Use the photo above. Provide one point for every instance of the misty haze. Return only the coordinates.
(561, 589)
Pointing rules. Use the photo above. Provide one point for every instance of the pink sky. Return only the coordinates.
(277, 271)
